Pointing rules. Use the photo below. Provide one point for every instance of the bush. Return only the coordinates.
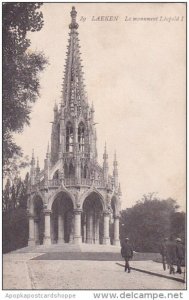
(15, 229)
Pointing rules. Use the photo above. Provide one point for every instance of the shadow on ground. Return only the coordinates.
(98, 256)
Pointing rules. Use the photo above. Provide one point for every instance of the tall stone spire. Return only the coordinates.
(105, 164)
(73, 87)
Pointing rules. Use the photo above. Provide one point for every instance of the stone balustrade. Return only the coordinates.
(55, 183)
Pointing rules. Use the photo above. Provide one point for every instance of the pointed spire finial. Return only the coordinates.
(73, 14)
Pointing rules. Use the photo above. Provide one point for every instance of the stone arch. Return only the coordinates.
(38, 194)
(90, 191)
(54, 196)
(62, 218)
(92, 218)
(69, 136)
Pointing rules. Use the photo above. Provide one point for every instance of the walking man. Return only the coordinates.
(179, 254)
(127, 253)
(163, 252)
(171, 254)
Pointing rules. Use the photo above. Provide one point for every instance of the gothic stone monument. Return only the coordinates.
(73, 199)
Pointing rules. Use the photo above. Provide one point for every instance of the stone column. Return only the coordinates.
(84, 233)
(60, 229)
(89, 228)
(106, 236)
(47, 238)
(77, 226)
(71, 230)
(116, 240)
(52, 230)
(97, 221)
(36, 230)
(31, 240)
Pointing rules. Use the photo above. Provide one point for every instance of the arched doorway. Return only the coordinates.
(62, 219)
(92, 220)
(38, 220)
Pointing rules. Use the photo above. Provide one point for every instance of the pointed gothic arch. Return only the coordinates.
(69, 137)
(81, 136)
(62, 229)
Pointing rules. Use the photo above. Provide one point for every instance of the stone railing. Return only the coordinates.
(55, 183)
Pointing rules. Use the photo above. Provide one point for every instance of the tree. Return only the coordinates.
(21, 70)
(15, 194)
(149, 221)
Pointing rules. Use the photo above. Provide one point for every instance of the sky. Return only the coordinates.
(135, 76)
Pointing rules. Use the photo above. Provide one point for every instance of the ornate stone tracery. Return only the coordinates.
(73, 198)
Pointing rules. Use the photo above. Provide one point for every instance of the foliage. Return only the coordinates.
(14, 167)
(15, 194)
(149, 221)
(21, 70)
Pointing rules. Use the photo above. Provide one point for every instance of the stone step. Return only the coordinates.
(66, 247)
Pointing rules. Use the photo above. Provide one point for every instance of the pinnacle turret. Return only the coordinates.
(105, 164)
(74, 94)
(115, 171)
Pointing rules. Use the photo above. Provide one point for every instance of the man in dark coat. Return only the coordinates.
(179, 254)
(171, 254)
(127, 253)
(163, 252)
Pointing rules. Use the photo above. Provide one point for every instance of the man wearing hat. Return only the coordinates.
(179, 254)
(127, 253)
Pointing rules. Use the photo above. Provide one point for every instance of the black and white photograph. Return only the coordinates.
(94, 147)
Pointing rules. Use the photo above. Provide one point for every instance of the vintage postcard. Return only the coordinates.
(94, 148)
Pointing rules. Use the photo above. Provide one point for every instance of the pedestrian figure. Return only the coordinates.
(179, 254)
(171, 254)
(127, 253)
(163, 252)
